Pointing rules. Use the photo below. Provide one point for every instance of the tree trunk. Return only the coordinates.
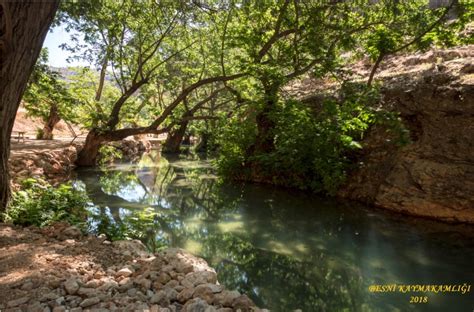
(203, 145)
(95, 139)
(173, 142)
(23, 27)
(48, 128)
(87, 157)
(103, 71)
(374, 69)
(265, 125)
(264, 142)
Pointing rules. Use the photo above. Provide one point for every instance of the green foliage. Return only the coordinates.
(312, 151)
(414, 25)
(155, 50)
(234, 138)
(105, 225)
(47, 89)
(41, 204)
(313, 148)
(108, 154)
(91, 112)
(313, 144)
(458, 32)
(134, 225)
(381, 41)
(39, 133)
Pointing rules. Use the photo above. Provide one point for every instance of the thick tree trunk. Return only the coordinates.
(87, 157)
(23, 27)
(52, 121)
(203, 145)
(95, 139)
(173, 142)
(265, 125)
(264, 142)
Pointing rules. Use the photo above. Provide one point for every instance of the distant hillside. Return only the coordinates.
(29, 124)
(67, 72)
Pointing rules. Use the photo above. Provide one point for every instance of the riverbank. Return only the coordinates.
(54, 160)
(431, 176)
(58, 269)
(283, 248)
(32, 160)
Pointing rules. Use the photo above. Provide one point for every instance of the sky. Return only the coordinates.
(58, 56)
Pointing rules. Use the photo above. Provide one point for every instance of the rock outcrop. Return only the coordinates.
(433, 175)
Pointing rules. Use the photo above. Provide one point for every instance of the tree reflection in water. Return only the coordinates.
(285, 249)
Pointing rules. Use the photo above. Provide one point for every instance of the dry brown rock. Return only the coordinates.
(433, 176)
(163, 278)
(126, 272)
(197, 304)
(204, 292)
(89, 302)
(160, 298)
(185, 295)
(197, 278)
(17, 302)
(72, 231)
(243, 303)
(132, 247)
(226, 298)
(87, 292)
(71, 286)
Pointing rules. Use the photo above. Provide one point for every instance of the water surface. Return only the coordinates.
(285, 249)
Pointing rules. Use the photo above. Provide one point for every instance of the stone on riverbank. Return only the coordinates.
(88, 275)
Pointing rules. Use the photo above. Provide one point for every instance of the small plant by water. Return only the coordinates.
(39, 203)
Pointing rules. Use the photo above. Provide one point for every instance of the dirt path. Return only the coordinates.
(33, 146)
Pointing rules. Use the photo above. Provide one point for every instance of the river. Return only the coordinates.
(285, 249)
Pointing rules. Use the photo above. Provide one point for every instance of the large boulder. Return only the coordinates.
(131, 247)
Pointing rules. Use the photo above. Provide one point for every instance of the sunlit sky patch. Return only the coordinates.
(57, 56)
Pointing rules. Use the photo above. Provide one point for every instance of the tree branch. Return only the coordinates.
(382, 55)
(276, 32)
(114, 114)
(266, 47)
(169, 109)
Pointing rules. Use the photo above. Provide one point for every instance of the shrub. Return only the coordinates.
(38, 203)
(311, 149)
(233, 140)
(39, 133)
(312, 145)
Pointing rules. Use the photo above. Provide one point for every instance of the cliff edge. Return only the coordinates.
(433, 175)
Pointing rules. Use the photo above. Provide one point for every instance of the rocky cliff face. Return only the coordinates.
(433, 176)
